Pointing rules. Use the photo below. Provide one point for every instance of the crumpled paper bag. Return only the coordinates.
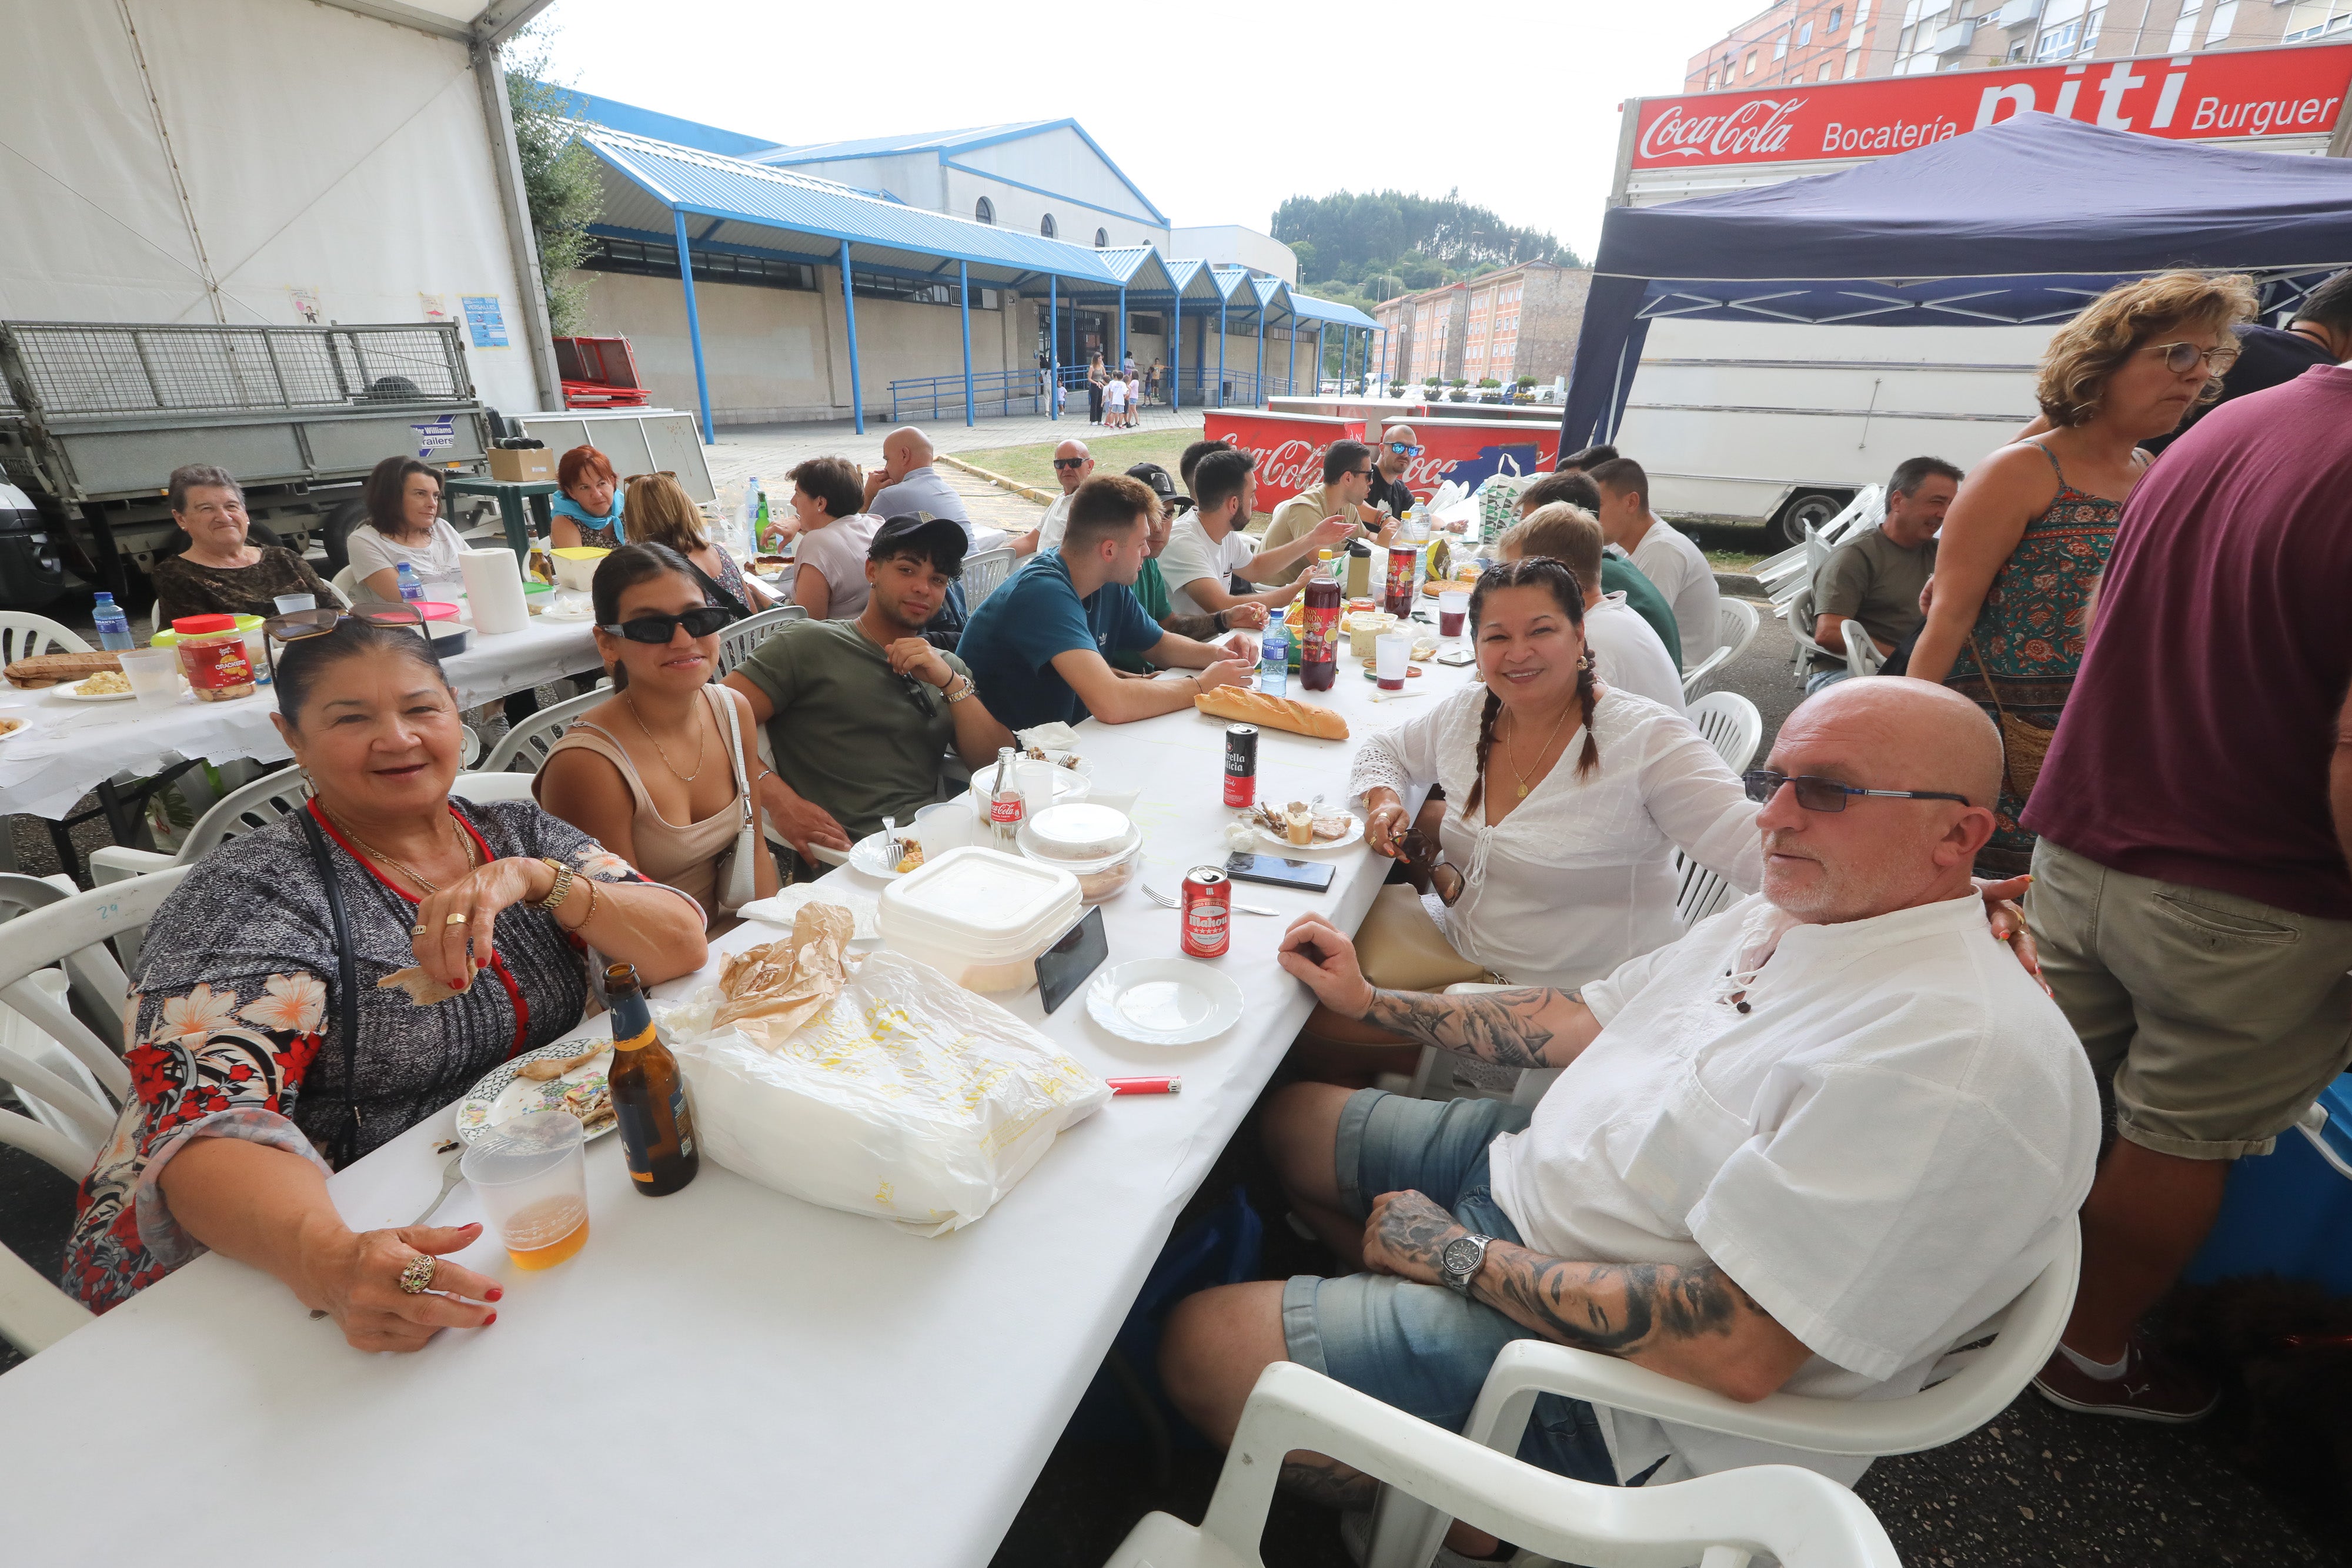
(770, 991)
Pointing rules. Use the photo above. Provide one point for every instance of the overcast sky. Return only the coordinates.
(1218, 113)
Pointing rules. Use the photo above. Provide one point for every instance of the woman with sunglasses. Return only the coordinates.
(1564, 801)
(316, 988)
(647, 774)
(2028, 535)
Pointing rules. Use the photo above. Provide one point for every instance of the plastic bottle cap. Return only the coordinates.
(199, 625)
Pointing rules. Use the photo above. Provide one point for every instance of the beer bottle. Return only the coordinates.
(648, 1093)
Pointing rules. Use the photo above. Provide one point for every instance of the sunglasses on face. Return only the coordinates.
(1827, 794)
(1404, 450)
(1069, 462)
(700, 621)
(2182, 358)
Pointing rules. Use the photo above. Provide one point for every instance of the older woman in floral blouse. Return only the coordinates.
(250, 1089)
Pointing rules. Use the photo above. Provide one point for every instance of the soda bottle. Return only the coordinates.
(1004, 805)
(1274, 662)
(648, 1093)
(113, 625)
(1319, 656)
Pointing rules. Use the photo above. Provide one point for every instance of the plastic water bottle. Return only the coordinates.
(1274, 661)
(113, 626)
(751, 512)
(412, 587)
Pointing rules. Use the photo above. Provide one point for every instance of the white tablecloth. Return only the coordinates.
(779, 1382)
(68, 747)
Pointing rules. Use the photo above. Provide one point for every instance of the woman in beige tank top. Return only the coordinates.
(648, 773)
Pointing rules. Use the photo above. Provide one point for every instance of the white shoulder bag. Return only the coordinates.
(737, 880)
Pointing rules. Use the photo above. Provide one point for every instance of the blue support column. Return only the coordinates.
(1290, 370)
(1053, 348)
(1261, 356)
(1176, 351)
(694, 325)
(1221, 353)
(1119, 364)
(963, 308)
(849, 314)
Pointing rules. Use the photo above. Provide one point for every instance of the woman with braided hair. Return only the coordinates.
(1564, 801)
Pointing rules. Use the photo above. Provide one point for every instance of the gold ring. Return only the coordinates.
(417, 1278)
(456, 917)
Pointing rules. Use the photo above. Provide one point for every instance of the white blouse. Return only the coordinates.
(1578, 878)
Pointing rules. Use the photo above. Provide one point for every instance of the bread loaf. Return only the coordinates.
(1243, 705)
(48, 669)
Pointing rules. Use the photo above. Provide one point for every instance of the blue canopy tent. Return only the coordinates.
(2020, 223)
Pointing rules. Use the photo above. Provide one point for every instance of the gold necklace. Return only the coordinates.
(702, 738)
(464, 848)
(1511, 751)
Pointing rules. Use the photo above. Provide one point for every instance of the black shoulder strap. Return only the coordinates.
(344, 1143)
(711, 590)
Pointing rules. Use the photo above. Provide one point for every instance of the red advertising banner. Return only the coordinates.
(1289, 447)
(1289, 450)
(2219, 97)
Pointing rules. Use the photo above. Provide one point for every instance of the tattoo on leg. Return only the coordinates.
(1500, 1027)
(1327, 1482)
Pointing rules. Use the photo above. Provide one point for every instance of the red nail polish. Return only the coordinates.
(489, 1321)
(495, 1294)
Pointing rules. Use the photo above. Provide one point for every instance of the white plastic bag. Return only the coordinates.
(909, 1098)
(1498, 496)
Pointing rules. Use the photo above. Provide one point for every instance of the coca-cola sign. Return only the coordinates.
(2229, 95)
(1289, 450)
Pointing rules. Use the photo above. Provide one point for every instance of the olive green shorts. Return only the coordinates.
(2217, 1018)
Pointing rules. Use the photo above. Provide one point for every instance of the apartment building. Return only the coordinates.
(1828, 40)
(1520, 321)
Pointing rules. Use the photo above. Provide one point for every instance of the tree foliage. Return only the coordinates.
(559, 182)
(1419, 242)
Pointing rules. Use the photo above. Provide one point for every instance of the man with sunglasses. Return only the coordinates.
(1072, 467)
(1399, 447)
(1348, 475)
(859, 713)
(1809, 1145)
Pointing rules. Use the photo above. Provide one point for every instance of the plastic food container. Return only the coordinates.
(214, 658)
(1098, 845)
(979, 917)
(575, 566)
(248, 625)
(1070, 785)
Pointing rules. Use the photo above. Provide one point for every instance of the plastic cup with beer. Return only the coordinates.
(1392, 656)
(1452, 604)
(533, 1183)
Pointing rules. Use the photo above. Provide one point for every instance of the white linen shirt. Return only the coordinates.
(1681, 574)
(1191, 555)
(1578, 878)
(1883, 1152)
(1055, 523)
(1628, 655)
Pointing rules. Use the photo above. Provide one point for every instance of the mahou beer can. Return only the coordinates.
(1207, 915)
(1241, 765)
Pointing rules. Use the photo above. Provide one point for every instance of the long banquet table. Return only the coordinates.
(723, 1376)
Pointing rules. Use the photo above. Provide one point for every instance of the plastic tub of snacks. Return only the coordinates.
(575, 566)
(1096, 844)
(213, 657)
(979, 917)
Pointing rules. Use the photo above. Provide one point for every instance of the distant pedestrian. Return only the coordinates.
(1151, 380)
(1095, 379)
(1128, 365)
(1115, 403)
(1134, 394)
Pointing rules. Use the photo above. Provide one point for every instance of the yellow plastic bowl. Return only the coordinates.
(575, 566)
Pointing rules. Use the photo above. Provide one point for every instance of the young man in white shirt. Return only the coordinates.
(1207, 548)
(1809, 1145)
(1665, 556)
(1626, 655)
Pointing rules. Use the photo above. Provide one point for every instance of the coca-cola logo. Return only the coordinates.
(1293, 465)
(1759, 125)
(1428, 473)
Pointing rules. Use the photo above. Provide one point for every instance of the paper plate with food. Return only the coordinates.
(1298, 825)
(105, 686)
(569, 1075)
(886, 855)
(13, 726)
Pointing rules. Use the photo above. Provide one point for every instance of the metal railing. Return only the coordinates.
(91, 367)
(993, 392)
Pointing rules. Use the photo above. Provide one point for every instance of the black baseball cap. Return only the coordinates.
(940, 540)
(1151, 474)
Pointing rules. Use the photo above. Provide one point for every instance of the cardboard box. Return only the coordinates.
(527, 467)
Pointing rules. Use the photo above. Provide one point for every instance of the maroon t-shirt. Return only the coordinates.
(2195, 742)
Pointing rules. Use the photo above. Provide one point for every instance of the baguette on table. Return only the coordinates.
(49, 669)
(1243, 705)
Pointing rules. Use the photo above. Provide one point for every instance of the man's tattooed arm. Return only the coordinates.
(1533, 1027)
(1200, 628)
(1327, 1482)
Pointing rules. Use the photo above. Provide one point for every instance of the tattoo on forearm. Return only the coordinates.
(1501, 1027)
(1616, 1309)
(1200, 628)
(1328, 1482)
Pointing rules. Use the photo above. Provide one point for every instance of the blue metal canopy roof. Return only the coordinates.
(945, 142)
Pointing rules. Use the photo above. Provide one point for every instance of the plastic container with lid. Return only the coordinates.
(1096, 844)
(214, 657)
(979, 917)
(1070, 784)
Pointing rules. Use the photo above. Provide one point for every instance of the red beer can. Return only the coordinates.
(1206, 917)
(1241, 765)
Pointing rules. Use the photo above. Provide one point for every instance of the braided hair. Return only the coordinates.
(1534, 572)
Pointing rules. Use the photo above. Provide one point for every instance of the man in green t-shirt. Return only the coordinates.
(1618, 575)
(860, 713)
(1151, 587)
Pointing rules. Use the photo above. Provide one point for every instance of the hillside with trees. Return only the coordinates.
(1367, 247)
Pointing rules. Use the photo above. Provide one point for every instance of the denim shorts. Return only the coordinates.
(1423, 1348)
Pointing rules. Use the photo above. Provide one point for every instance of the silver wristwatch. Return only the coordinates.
(1459, 1263)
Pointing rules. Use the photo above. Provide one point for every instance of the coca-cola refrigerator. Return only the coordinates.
(1289, 448)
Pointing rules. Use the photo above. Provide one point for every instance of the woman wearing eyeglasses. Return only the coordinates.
(275, 1035)
(2028, 535)
(655, 775)
(1564, 801)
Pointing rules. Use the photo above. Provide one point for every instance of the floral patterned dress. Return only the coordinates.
(233, 1028)
(2031, 629)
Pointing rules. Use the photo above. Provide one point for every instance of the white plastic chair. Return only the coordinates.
(735, 642)
(34, 1313)
(523, 749)
(484, 788)
(984, 573)
(1737, 623)
(1974, 1386)
(1799, 562)
(1862, 654)
(1702, 893)
(1720, 1521)
(24, 634)
(1695, 679)
(1732, 725)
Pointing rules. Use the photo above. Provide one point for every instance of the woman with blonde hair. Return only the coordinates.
(2028, 535)
(660, 513)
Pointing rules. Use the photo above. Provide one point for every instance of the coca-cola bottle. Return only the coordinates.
(1004, 807)
(1319, 642)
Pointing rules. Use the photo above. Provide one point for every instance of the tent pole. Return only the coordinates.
(1290, 365)
(1260, 399)
(693, 325)
(1121, 366)
(849, 309)
(1053, 348)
